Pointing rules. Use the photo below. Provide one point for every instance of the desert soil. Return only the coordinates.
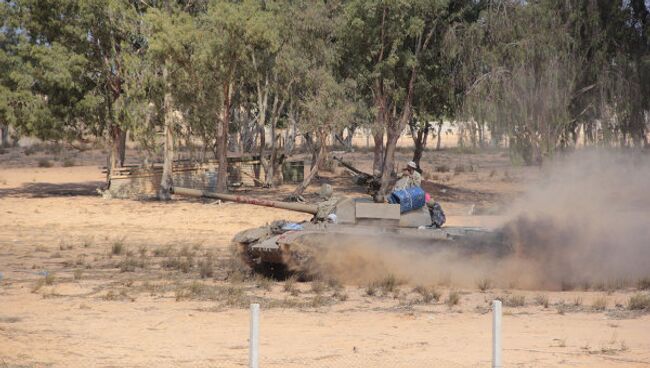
(91, 282)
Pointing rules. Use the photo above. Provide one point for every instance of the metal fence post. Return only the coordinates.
(496, 334)
(254, 341)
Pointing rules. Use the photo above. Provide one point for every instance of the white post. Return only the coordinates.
(254, 341)
(496, 334)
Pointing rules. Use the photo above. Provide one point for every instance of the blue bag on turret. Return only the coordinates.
(408, 199)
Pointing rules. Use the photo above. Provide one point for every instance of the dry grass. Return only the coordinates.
(643, 284)
(453, 298)
(45, 163)
(290, 285)
(639, 301)
(130, 264)
(264, 282)
(68, 162)
(513, 300)
(428, 294)
(542, 300)
(206, 267)
(484, 285)
(318, 287)
(599, 304)
(117, 248)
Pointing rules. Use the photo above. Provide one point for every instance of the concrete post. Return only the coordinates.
(254, 341)
(496, 334)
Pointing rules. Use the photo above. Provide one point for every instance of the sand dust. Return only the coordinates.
(52, 220)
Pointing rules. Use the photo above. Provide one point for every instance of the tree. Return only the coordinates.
(385, 43)
(326, 109)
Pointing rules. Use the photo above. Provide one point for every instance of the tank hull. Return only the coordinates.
(307, 251)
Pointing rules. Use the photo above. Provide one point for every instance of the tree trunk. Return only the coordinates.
(122, 147)
(420, 142)
(439, 137)
(378, 151)
(4, 135)
(389, 162)
(314, 168)
(166, 181)
(222, 139)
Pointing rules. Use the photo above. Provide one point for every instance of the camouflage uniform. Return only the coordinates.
(408, 180)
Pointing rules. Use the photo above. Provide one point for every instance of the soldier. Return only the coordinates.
(409, 177)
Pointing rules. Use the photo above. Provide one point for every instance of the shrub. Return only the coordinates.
(117, 248)
(643, 284)
(542, 300)
(428, 294)
(44, 163)
(484, 285)
(453, 298)
(68, 162)
(639, 301)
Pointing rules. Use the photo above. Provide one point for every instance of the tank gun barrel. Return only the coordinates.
(299, 207)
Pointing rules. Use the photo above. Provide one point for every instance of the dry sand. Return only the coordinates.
(53, 220)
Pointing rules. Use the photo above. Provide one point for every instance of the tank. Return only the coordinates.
(283, 246)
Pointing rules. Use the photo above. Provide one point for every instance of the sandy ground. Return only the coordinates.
(95, 309)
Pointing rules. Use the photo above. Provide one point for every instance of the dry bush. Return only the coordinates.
(577, 302)
(206, 267)
(45, 163)
(290, 285)
(320, 300)
(183, 264)
(263, 282)
(484, 285)
(639, 301)
(643, 284)
(318, 287)
(118, 247)
(458, 169)
(163, 251)
(371, 289)
(387, 285)
(68, 162)
(130, 264)
(428, 293)
(599, 304)
(453, 298)
(513, 300)
(542, 300)
(341, 295)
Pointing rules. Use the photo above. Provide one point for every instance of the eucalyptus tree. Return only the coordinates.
(384, 43)
(326, 108)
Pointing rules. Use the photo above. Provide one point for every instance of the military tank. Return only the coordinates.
(284, 246)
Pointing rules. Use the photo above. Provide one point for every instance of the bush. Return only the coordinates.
(428, 294)
(117, 248)
(639, 301)
(453, 298)
(542, 300)
(643, 284)
(68, 162)
(44, 163)
(484, 285)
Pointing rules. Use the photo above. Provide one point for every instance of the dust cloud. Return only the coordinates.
(585, 222)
